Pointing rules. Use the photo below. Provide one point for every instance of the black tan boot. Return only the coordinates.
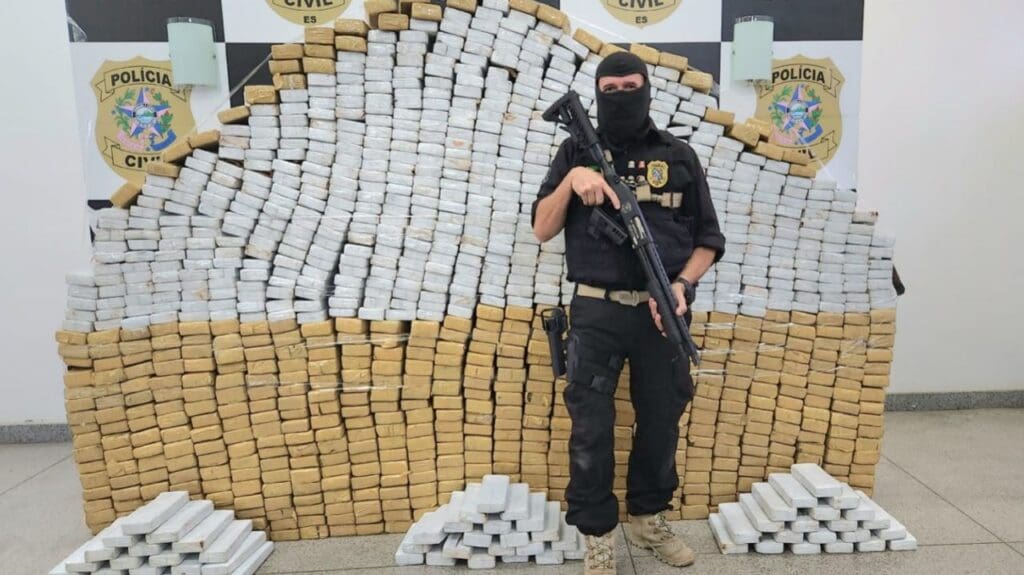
(653, 532)
(600, 557)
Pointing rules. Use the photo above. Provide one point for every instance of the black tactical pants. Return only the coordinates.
(602, 335)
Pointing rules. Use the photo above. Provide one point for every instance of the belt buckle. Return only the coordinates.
(630, 298)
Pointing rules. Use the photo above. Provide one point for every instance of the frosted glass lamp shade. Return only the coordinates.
(193, 51)
(752, 48)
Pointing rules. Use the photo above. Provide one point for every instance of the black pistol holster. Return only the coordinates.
(555, 325)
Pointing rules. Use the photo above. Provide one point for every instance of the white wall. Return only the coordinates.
(42, 222)
(940, 157)
(940, 118)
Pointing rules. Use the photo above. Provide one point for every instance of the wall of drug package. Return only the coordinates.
(325, 315)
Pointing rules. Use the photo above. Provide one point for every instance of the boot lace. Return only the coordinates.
(662, 529)
(600, 552)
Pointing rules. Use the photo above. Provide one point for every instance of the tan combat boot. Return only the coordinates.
(653, 532)
(600, 557)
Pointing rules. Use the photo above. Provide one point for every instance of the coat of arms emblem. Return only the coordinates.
(139, 113)
(802, 103)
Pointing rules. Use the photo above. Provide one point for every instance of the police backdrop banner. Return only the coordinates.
(119, 134)
(129, 110)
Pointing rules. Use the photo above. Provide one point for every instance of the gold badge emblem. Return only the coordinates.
(139, 113)
(641, 13)
(802, 102)
(657, 174)
(309, 12)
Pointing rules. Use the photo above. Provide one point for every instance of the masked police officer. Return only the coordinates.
(613, 319)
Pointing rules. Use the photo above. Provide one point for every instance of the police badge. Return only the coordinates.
(657, 174)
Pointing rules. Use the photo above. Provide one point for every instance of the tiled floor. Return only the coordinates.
(956, 479)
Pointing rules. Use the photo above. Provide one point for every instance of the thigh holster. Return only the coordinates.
(591, 366)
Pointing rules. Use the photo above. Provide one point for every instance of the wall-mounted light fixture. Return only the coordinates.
(193, 51)
(752, 52)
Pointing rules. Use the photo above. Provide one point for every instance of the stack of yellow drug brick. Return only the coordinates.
(787, 388)
(355, 427)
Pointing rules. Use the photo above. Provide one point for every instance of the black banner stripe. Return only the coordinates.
(138, 20)
(800, 20)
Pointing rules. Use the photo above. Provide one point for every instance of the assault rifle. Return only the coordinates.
(569, 113)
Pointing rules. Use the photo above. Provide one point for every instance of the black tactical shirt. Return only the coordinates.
(674, 198)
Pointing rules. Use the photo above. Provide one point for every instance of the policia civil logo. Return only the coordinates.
(309, 12)
(139, 113)
(802, 104)
(640, 12)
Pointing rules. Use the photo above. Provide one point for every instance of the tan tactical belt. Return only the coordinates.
(624, 297)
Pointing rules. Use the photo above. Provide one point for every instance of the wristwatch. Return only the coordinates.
(689, 290)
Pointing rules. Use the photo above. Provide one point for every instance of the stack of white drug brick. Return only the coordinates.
(808, 511)
(172, 535)
(490, 520)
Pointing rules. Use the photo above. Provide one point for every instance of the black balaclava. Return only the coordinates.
(622, 117)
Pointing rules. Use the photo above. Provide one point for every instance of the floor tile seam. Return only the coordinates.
(36, 474)
(919, 544)
(629, 550)
(868, 553)
(331, 570)
(320, 571)
(943, 498)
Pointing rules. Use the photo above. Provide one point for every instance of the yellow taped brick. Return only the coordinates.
(745, 133)
(527, 6)
(552, 16)
(609, 49)
(716, 116)
(162, 169)
(425, 11)
(392, 22)
(318, 65)
(646, 53)
(593, 43)
(125, 196)
(289, 81)
(374, 8)
(763, 127)
(319, 50)
(803, 171)
(800, 157)
(770, 151)
(234, 115)
(351, 27)
(206, 140)
(674, 61)
(176, 152)
(260, 94)
(699, 81)
(286, 51)
(350, 44)
(317, 35)
(285, 66)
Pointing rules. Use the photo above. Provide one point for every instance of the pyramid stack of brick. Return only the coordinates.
(807, 512)
(172, 535)
(490, 521)
(326, 315)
